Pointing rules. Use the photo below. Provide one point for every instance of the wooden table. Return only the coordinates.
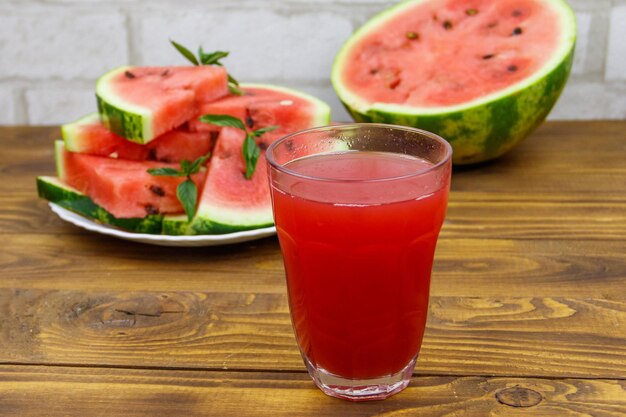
(528, 312)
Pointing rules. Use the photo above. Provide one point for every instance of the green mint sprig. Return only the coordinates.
(250, 149)
(211, 58)
(187, 191)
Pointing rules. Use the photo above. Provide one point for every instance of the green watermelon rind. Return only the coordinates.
(482, 129)
(56, 191)
(125, 119)
(214, 219)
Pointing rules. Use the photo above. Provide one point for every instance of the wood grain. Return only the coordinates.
(463, 267)
(465, 336)
(26, 391)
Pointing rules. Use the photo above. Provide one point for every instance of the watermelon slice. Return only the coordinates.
(123, 188)
(88, 135)
(142, 103)
(481, 73)
(230, 202)
(55, 190)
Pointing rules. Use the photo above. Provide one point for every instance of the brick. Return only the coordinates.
(58, 105)
(61, 44)
(582, 42)
(590, 101)
(8, 113)
(264, 45)
(616, 59)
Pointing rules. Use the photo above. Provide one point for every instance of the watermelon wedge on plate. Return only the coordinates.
(230, 202)
(142, 103)
(123, 188)
(88, 135)
(481, 73)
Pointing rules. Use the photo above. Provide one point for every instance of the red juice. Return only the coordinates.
(358, 248)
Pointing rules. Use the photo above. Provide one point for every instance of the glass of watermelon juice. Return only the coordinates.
(358, 209)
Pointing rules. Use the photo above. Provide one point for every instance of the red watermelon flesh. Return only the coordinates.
(261, 107)
(90, 136)
(123, 188)
(226, 183)
(448, 52)
(173, 94)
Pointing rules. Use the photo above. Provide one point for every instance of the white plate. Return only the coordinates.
(161, 240)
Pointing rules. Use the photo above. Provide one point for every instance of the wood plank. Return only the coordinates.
(561, 337)
(463, 267)
(479, 216)
(27, 391)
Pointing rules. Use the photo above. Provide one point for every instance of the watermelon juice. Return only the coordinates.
(358, 229)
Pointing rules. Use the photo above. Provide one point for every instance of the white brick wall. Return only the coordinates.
(51, 51)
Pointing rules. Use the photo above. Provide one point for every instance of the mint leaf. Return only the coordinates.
(263, 130)
(184, 166)
(166, 172)
(251, 153)
(212, 58)
(197, 164)
(223, 120)
(233, 89)
(185, 52)
(187, 194)
(232, 80)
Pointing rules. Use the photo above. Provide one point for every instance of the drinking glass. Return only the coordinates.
(358, 209)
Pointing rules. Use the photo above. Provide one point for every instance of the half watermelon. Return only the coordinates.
(481, 73)
(142, 103)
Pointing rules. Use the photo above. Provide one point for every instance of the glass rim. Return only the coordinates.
(282, 168)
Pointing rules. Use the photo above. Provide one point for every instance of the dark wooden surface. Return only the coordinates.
(528, 311)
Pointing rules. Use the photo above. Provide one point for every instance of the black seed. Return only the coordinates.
(488, 56)
(249, 119)
(516, 31)
(447, 25)
(152, 154)
(262, 146)
(517, 13)
(164, 73)
(412, 35)
(374, 71)
(150, 209)
(395, 83)
(214, 134)
(512, 68)
(471, 12)
(435, 18)
(492, 25)
(157, 190)
(129, 74)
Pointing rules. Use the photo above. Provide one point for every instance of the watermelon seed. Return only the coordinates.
(152, 154)
(395, 83)
(150, 209)
(492, 25)
(157, 190)
(471, 12)
(412, 35)
(164, 73)
(516, 31)
(249, 119)
(374, 71)
(447, 25)
(129, 74)
(517, 13)
(488, 56)
(512, 68)
(263, 146)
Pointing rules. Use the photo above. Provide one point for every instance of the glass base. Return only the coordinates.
(360, 389)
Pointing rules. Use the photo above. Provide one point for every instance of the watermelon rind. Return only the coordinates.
(56, 191)
(71, 131)
(481, 129)
(125, 119)
(216, 219)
